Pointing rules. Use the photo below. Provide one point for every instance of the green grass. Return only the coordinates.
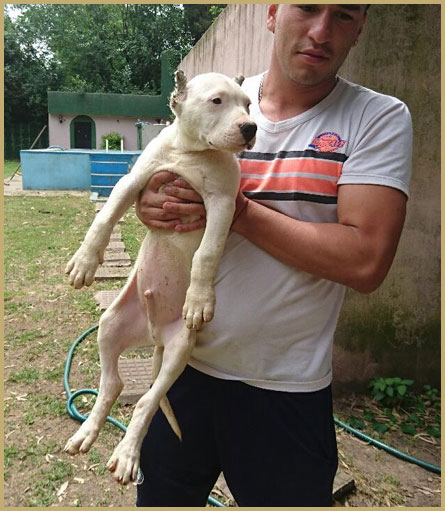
(43, 317)
(42, 492)
(133, 233)
(27, 375)
(10, 167)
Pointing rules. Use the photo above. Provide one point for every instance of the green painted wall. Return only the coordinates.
(130, 105)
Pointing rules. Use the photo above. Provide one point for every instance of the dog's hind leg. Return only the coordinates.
(123, 325)
(124, 463)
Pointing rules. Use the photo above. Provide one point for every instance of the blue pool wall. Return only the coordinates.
(72, 169)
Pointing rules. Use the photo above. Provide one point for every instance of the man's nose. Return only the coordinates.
(320, 30)
(248, 130)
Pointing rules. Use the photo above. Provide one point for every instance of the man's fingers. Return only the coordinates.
(184, 209)
(187, 194)
(192, 226)
(160, 178)
(154, 213)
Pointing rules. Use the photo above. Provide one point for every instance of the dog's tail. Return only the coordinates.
(170, 416)
(156, 366)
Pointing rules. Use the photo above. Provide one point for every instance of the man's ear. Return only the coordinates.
(180, 92)
(271, 17)
(239, 79)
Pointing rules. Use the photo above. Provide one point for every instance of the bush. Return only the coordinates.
(114, 140)
(390, 391)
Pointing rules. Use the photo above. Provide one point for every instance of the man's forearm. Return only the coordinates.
(347, 254)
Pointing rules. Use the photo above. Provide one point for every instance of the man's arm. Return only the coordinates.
(357, 251)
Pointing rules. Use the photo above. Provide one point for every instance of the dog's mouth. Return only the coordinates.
(245, 145)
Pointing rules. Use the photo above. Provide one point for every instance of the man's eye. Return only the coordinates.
(217, 101)
(344, 16)
(307, 8)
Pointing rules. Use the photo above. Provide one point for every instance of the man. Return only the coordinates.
(321, 207)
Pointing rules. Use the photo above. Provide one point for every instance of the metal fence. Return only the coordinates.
(21, 136)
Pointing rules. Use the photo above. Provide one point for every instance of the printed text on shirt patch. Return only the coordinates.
(327, 141)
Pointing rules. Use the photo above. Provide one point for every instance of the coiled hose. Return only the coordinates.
(75, 414)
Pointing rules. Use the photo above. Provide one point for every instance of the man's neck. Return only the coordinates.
(283, 99)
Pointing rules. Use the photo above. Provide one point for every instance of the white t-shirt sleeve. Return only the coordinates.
(382, 149)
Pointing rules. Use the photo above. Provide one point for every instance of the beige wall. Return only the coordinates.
(396, 330)
(59, 133)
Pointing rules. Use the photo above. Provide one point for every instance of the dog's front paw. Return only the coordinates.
(199, 307)
(82, 267)
(124, 463)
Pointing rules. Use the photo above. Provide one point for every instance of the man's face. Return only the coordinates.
(312, 41)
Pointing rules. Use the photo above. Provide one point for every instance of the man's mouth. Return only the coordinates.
(314, 56)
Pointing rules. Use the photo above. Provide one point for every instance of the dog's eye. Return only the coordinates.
(217, 101)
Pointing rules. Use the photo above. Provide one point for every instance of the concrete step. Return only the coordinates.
(116, 263)
(111, 273)
(115, 245)
(106, 298)
(116, 255)
(136, 375)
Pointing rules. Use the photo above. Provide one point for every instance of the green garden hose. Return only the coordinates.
(74, 414)
(388, 448)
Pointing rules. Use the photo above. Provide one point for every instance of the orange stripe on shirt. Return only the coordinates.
(308, 165)
(289, 184)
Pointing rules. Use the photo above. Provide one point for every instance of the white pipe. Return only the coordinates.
(122, 145)
(106, 145)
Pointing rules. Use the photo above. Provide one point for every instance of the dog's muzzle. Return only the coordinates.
(248, 130)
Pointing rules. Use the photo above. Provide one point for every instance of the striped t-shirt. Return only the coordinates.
(274, 325)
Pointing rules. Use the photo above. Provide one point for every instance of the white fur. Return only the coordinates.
(172, 279)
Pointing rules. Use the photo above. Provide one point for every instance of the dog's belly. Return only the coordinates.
(163, 275)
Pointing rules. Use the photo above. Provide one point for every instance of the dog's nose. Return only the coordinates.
(248, 130)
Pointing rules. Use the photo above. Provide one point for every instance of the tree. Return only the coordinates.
(198, 17)
(27, 78)
(93, 48)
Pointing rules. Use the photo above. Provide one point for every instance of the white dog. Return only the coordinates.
(172, 279)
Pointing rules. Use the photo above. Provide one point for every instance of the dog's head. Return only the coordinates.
(213, 110)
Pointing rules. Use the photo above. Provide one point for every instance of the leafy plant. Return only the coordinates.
(390, 392)
(114, 140)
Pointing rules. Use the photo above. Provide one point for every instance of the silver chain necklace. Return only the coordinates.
(260, 90)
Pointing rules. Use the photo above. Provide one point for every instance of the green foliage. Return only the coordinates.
(390, 391)
(198, 17)
(92, 48)
(114, 140)
(399, 408)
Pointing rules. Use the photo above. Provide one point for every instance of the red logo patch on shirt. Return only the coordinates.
(328, 141)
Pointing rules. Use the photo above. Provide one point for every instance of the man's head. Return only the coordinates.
(312, 41)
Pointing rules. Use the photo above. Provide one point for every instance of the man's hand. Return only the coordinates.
(166, 200)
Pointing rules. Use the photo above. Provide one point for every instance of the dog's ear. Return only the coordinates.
(180, 92)
(239, 79)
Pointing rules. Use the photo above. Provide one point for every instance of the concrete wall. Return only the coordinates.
(59, 132)
(396, 330)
